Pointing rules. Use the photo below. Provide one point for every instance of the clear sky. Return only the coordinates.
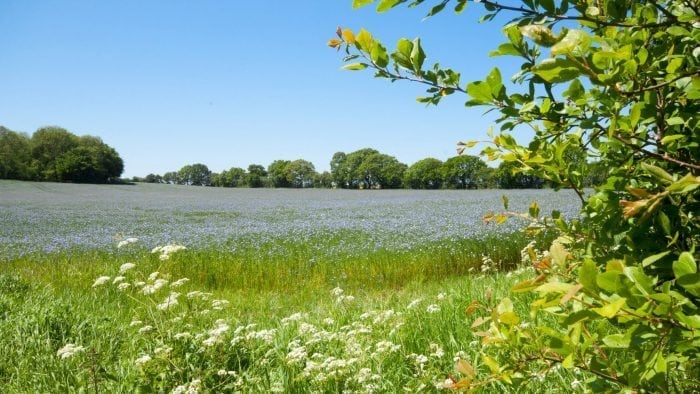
(232, 83)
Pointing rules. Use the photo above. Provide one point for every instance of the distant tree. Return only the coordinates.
(378, 170)
(170, 177)
(323, 180)
(153, 178)
(195, 175)
(256, 175)
(233, 177)
(508, 177)
(424, 174)
(277, 173)
(48, 144)
(15, 155)
(300, 173)
(465, 172)
(339, 170)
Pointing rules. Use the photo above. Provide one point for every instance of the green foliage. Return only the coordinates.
(465, 172)
(55, 154)
(194, 174)
(256, 175)
(15, 155)
(424, 174)
(617, 84)
(367, 169)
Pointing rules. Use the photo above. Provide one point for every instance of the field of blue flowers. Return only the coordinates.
(175, 289)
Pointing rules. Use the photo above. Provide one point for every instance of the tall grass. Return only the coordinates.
(278, 318)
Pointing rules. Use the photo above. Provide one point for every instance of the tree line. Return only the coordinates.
(370, 169)
(54, 154)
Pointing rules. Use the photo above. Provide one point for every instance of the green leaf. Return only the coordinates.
(364, 40)
(505, 202)
(355, 66)
(557, 70)
(480, 91)
(495, 82)
(534, 210)
(554, 287)
(575, 42)
(691, 283)
(587, 275)
(417, 55)
(617, 341)
(379, 55)
(611, 309)
(575, 90)
(652, 259)
(684, 185)
(685, 265)
(609, 281)
(402, 55)
(385, 5)
(361, 3)
(568, 361)
(657, 172)
(635, 114)
(505, 49)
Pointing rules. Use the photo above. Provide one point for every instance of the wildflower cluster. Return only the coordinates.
(167, 250)
(189, 341)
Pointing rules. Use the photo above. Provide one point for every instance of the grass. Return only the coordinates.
(391, 321)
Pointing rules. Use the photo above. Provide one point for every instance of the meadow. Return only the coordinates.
(164, 288)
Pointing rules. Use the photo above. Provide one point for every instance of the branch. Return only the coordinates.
(657, 155)
(657, 86)
(584, 18)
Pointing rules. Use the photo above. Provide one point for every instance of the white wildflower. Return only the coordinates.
(222, 372)
(118, 279)
(135, 323)
(167, 250)
(328, 321)
(182, 335)
(337, 292)
(154, 287)
(145, 329)
(123, 286)
(414, 303)
(432, 308)
(69, 350)
(162, 351)
(441, 296)
(101, 280)
(179, 282)
(169, 302)
(125, 267)
(153, 276)
(436, 350)
(127, 241)
(143, 359)
(292, 318)
(218, 305)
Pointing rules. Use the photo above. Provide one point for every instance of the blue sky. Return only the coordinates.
(231, 83)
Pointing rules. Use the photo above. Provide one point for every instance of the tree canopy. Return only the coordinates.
(57, 155)
(610, 82)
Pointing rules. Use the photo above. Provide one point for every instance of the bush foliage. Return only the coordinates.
(617, 82)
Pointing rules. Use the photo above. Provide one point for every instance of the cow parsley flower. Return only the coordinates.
(101, 280)
(432, 308)
(142, 360)
(69, 350)
(127, 241)
(125, 267)
(169, 302)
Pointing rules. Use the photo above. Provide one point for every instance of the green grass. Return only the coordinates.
(414, 300)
